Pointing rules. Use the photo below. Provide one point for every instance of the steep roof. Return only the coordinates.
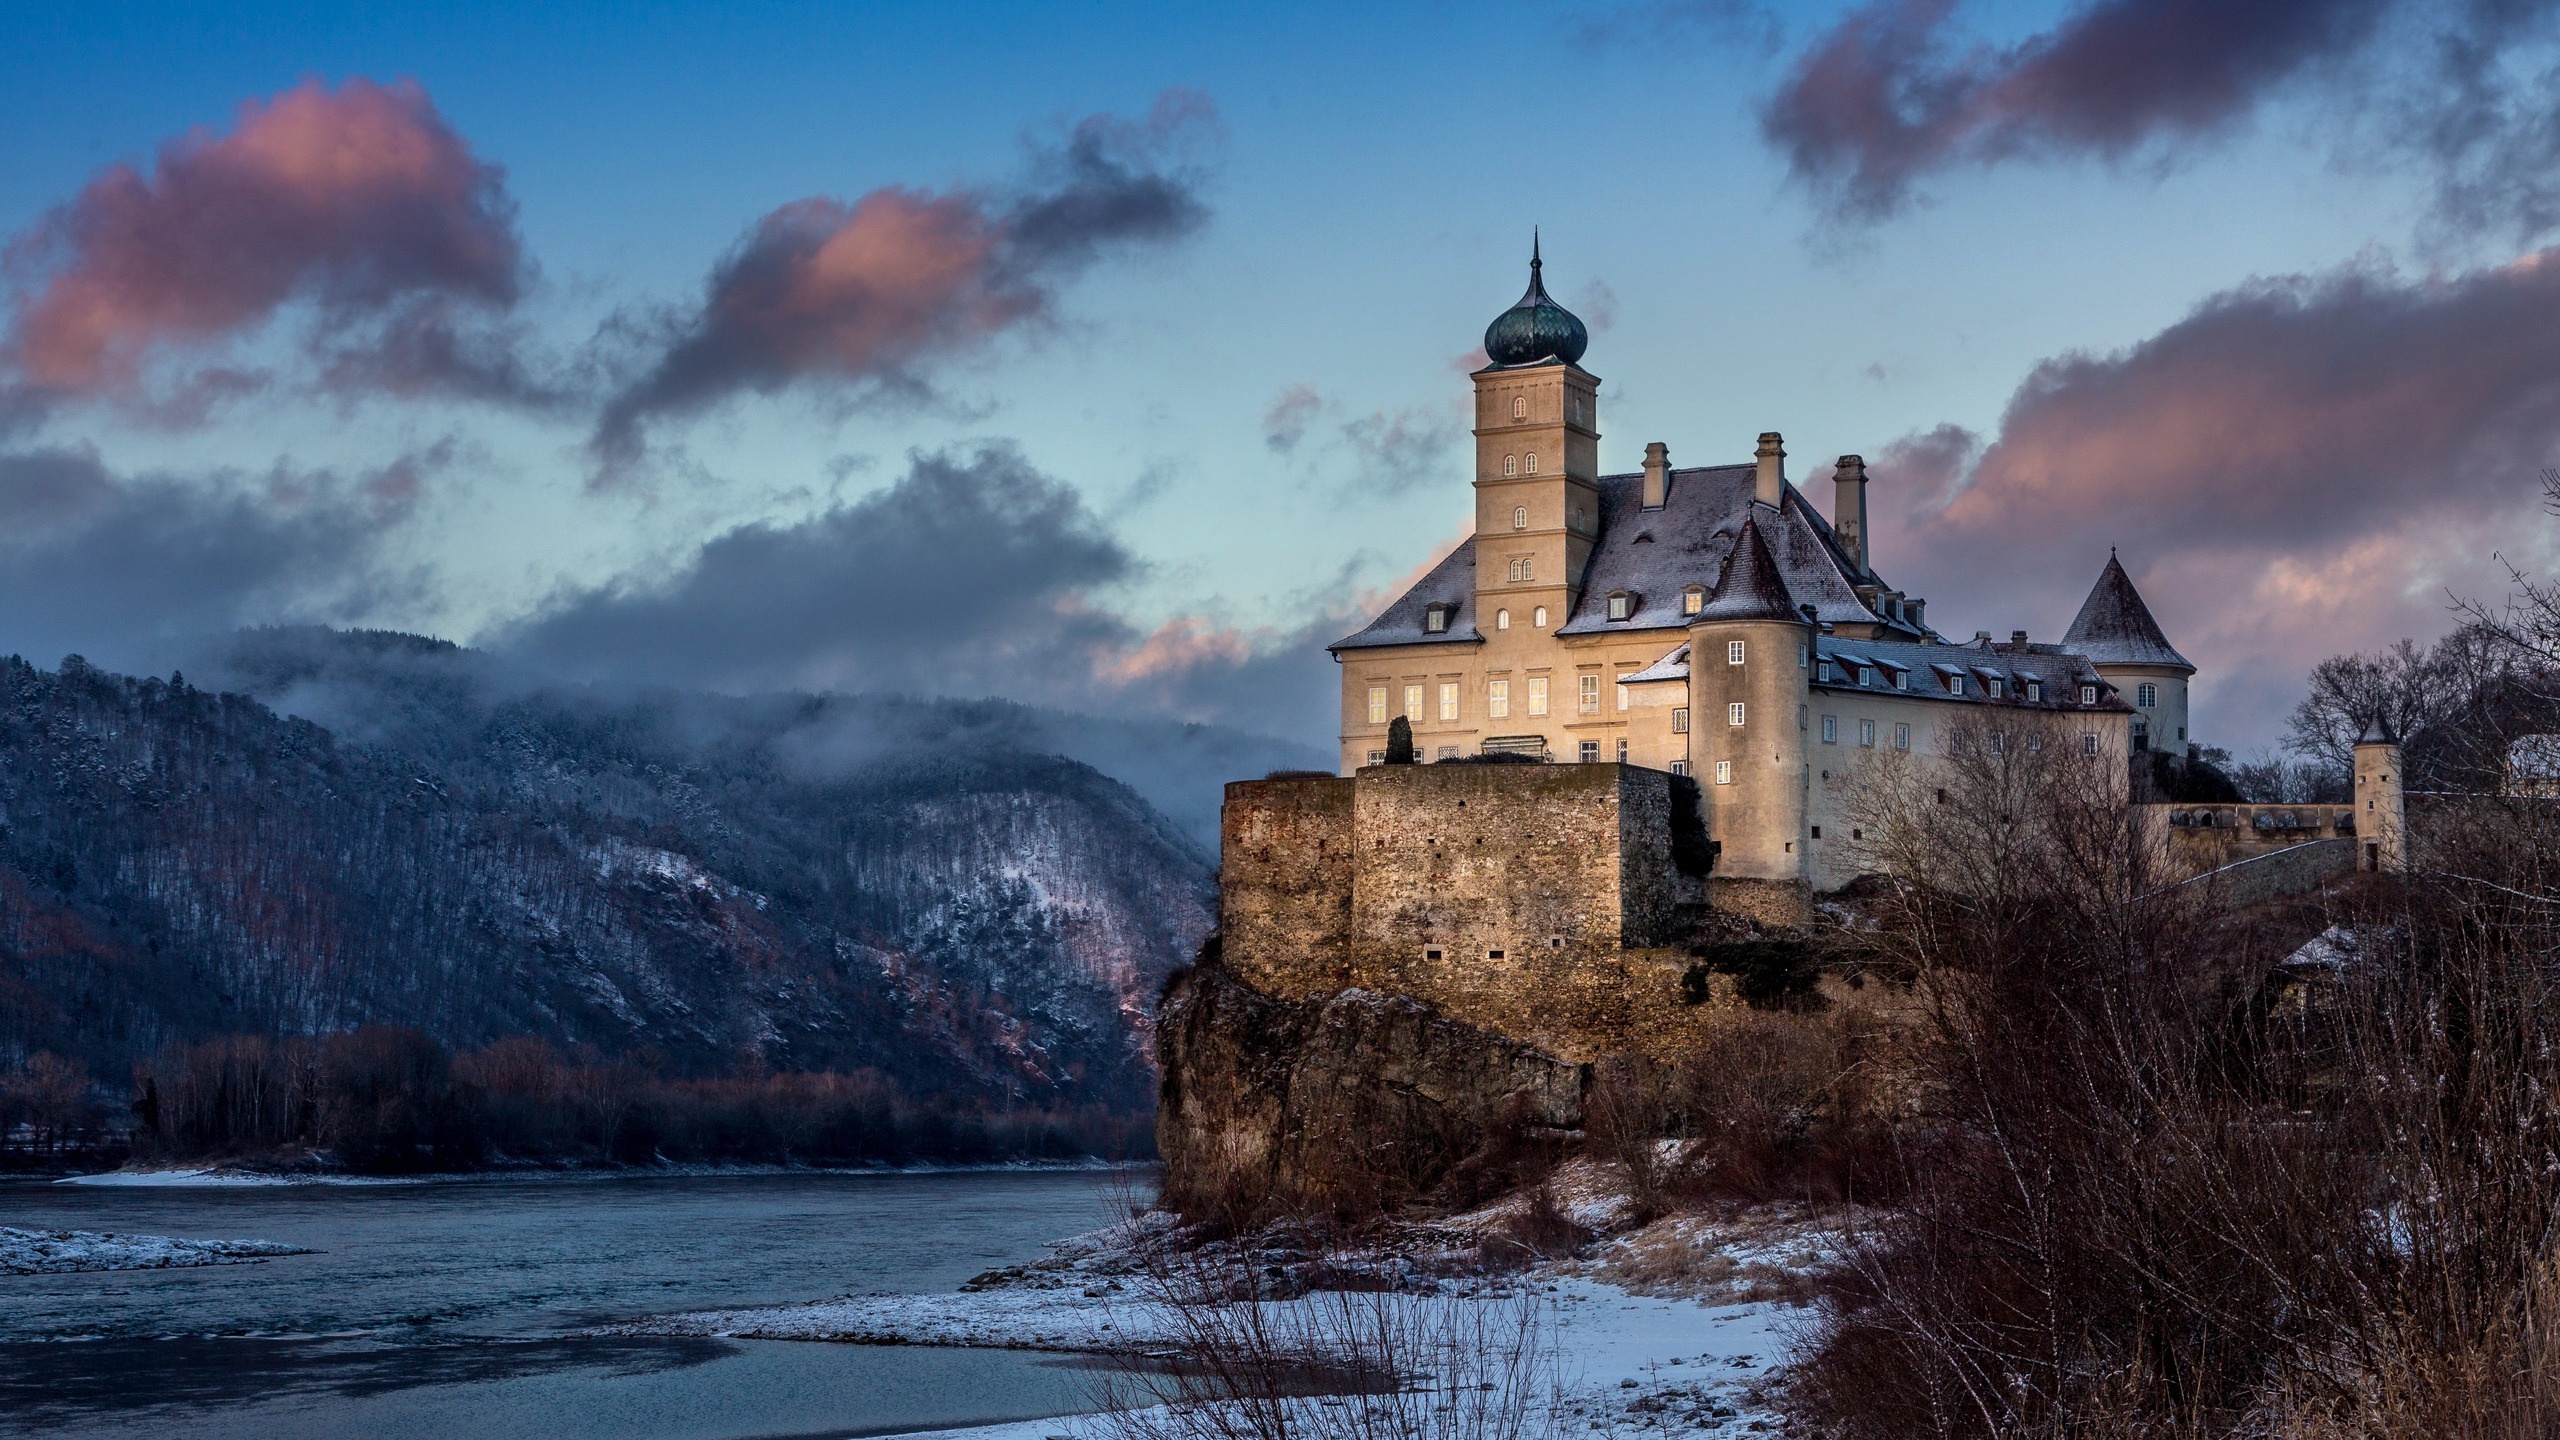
(2114, 627)
(2061, 669)
(1751, 587)
(1452, 582)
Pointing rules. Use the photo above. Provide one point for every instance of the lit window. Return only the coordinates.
(1448, 699)
(2088, 744)
(1692, 600)
(1519, 517)
(2146, 695)
(1413, 702)
(2088, 694)
(1724, 772)
(1621, 605)
(1679, 767)
(1867, 733)
(1519, 407)
(1901, 737)
(1622, 751)
(1590, 696)
(1733, 713)
(1623, 700)
(1537, 694)
(1529, 464)
(1377, 704)
(1830, 729)
(1590, 752)
(1501, 619)
(1510, 464)
(1497, 699)
(1537, 617)
(1679, 719)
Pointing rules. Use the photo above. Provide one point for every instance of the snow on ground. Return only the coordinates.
(1679, 1325)
(55, 1252)
(207, 1177)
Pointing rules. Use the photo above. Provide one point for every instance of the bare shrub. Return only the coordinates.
(1254, 1359)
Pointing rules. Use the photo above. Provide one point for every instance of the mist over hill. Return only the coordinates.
(313, 830)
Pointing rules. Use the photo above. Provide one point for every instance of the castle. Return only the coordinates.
(1710, 622)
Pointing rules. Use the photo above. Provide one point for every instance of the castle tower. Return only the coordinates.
(2115, 630)
(1537, 457)
(2382, 821)
(1747, 693)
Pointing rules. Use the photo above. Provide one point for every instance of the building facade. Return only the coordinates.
(1711, 622)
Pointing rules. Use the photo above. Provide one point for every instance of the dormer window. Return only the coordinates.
(2035, 692)
(1435, 619)
(1519, 407)
(1999, 689)
(1901, 679)
(1693, 600)
(1621, 604)
(1519, 517)
(1955, 684)
(1866, 675)
(2088, 694)
(1822, 671)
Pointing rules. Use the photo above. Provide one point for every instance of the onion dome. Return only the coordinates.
(1537, 329)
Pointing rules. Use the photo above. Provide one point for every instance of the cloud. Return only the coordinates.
(1656, 23)
(972, 575)
(867, 293)
(1285, 424)
(1891, 93)
(1398, 450)
(2299, 467)
(119, 568)
(360, 200)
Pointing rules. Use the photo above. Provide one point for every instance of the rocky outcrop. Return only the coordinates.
(1345, 1102)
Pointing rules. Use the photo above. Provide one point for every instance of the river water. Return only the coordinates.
(449, 1309)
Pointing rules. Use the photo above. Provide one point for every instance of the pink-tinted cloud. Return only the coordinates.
(2299, 467)
(871, 290)
(1892, 93)
(360, 199)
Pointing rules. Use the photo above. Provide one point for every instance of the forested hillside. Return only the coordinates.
(677, 878)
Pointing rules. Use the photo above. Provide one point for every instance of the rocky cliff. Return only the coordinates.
(1349, 1101)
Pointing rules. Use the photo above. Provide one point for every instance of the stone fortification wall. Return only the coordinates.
(2278, 873)
(1539, 902)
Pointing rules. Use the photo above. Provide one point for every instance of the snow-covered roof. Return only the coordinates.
(2114, 627)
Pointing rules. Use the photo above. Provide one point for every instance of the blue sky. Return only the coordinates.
(1365, 193)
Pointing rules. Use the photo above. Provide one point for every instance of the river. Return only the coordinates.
(450, 1309)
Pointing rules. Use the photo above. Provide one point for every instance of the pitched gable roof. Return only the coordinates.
(2114, 627)
(1751, 587)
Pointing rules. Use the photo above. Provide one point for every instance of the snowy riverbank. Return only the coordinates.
(56, 1252)
(202, 1177)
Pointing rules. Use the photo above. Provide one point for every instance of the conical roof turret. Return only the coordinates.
(1751, 587)
(2114, 627)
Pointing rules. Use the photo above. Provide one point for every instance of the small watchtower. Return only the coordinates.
(2382, 821)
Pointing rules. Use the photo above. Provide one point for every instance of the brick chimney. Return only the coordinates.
(1769, 483)
(1849, 508)
(1657, 474)
(2018, 642)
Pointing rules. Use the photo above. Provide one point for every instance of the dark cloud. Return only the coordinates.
(973, 575)
(361, 201)
(1398, 450)
(865, 293)
(119, 569)
(2300, 467)
(1892, 93)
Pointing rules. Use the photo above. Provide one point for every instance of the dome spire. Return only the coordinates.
(1537, 329)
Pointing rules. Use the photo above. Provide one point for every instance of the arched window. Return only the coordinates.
(1510, 464)
(1531, 465)
(1519, 517)
(1501, 619)
(1538, 617)
(1519, 407)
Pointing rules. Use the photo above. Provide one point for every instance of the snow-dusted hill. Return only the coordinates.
(678, 874)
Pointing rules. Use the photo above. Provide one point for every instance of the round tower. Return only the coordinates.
(1747, 698)
(2382, 820)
